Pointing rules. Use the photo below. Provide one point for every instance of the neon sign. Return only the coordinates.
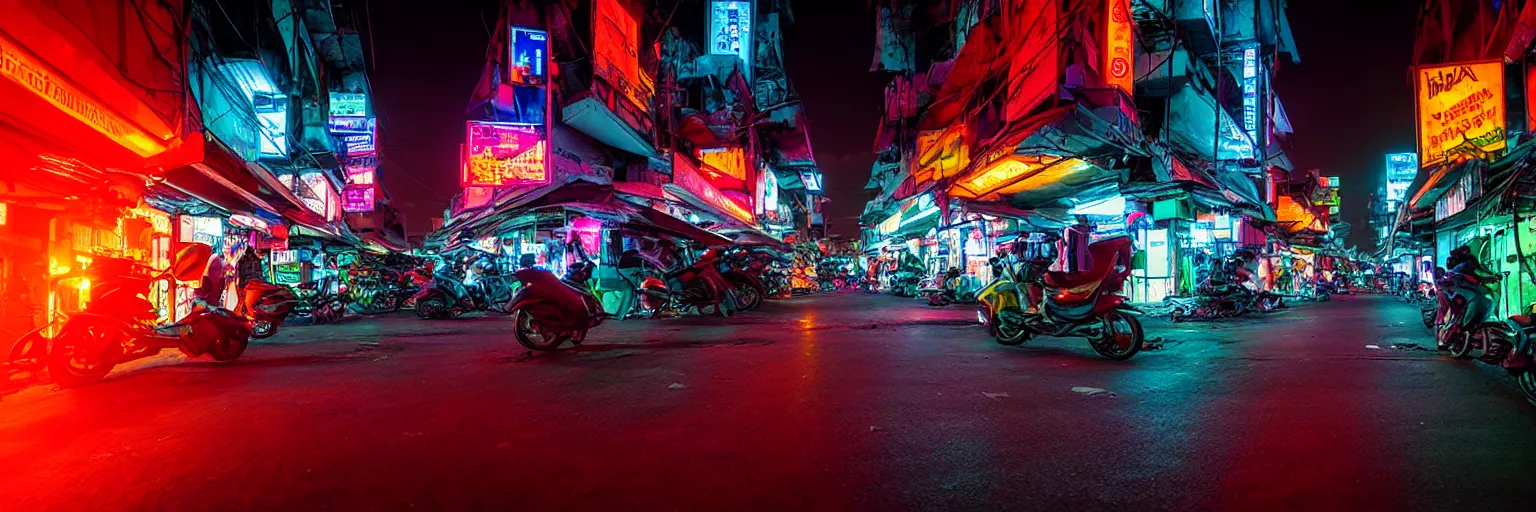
(1118, 51)
(730, 31)
(686, 176)
(349, 104)
(1460, 110)
(1251, 97)
(729, 161)
(357, 199)
(500, 154)
(32, 74)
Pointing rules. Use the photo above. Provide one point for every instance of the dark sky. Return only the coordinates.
(1349, 99)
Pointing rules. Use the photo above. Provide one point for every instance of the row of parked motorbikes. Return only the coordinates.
(1458, 307)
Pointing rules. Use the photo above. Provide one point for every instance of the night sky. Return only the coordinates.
(1349, 99)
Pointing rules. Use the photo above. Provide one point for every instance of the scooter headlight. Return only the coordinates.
(981, 317)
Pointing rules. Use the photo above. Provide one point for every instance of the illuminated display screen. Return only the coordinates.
(357, 199)
(499, 154)
(529, 51)
(1118, 49)
(349, 104)
(730, 31)
(358, 143)
(316, 194)
(1460, 110)
(615, 36)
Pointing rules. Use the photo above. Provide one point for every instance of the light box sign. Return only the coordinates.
(768, 194)
(1119, 36)
(527, 64)
(730, 31)
(729, 161)
(360, 176)
(316, 193)
(349, 104)
(352, 124)
(686, 176)
(1401, 169)
(358, 143)
(615, 41)
(812, 181)
(1251, 96)
(1460, 110)
(357, 199)
(500, 154)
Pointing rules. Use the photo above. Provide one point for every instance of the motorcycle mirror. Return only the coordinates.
(191, 261)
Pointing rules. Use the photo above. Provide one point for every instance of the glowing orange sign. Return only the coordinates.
(615, 41)
(1018, 173)
(34, 75)
(730, 161)
(685, 175)
(941, 153)
(1119, 36)
(1460, 110)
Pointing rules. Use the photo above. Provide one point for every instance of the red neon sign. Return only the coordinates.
(498, 154)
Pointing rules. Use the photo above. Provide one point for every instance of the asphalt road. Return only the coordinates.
(847, 402)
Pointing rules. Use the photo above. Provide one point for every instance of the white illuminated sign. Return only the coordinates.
(1251, 95)
(730, 31)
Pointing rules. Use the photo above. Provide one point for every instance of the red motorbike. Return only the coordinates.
(549, 311)
(698, 286)
(118, 323)
(1085, 304)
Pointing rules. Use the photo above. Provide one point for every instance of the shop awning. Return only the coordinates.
(1439, 180)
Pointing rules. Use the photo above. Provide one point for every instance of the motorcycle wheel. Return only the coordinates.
(1177, 315)
(1527, 381)
(1010, 336)
(1459, 343)
(228, 348)
(263, 329)
(530, 334)
(747, 296)
(431, 307)
(1122, 337)
(69, 367)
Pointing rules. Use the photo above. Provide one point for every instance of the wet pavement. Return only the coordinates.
(849, 401)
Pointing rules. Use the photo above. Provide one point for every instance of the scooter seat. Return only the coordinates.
(1069, 279)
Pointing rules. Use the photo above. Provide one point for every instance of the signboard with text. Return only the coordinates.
(345, 104)
(685, 174)
(501, 154)
(730, 31)
(1119, 38)
(616, 55)
(1401, 169)
(1461, 110)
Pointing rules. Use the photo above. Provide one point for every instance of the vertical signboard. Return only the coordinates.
(1119, 52)
(1460, 110)
(1401, 169)
(615, 42)
(1251, 98)
(502, 154)
(730, 31)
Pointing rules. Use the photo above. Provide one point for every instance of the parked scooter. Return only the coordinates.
(698, 286)
(548, 311)
(1465, 301)
(266, 306)
(942, 289)
(118, 324)
(323, 301)
(1508, 344)
(448, 295)
(1085, 304)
